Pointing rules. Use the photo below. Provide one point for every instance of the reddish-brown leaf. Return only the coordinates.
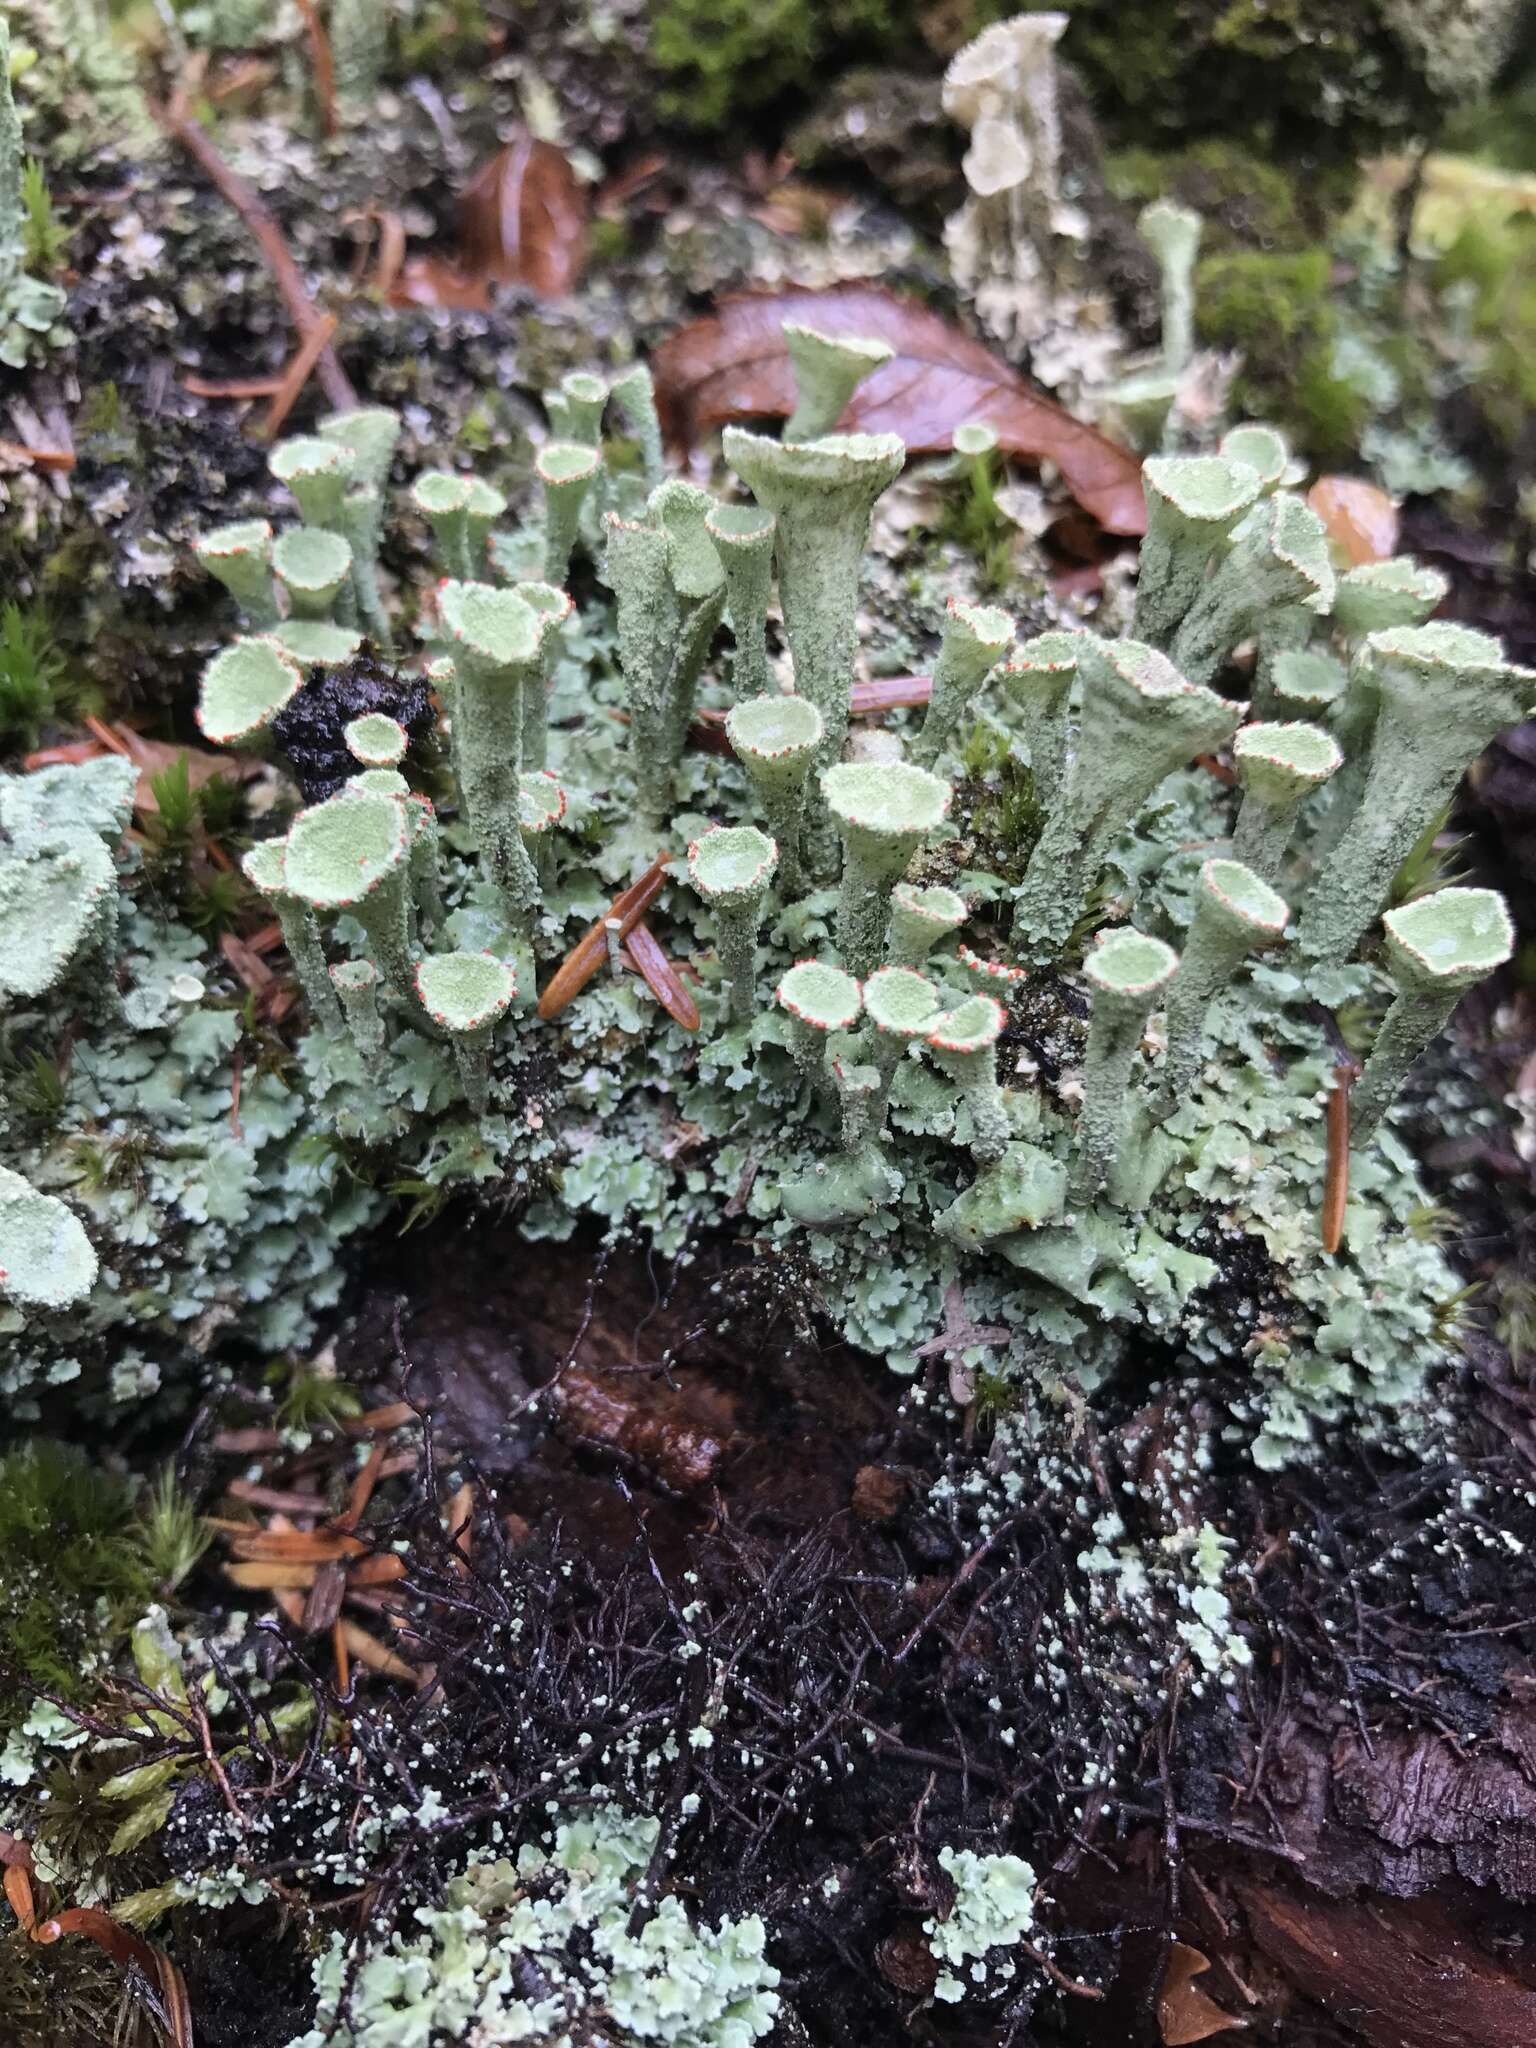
(1361, 519)
(733, 365)
(523, 219)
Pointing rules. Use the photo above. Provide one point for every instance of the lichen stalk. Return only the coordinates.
(975, 639)
(963, 1046)
(1236, 913)
(1128, 972)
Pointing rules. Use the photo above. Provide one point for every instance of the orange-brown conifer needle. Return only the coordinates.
(590, 952)
(661, 977)
(1336, 1184)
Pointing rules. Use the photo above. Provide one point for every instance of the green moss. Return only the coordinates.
(1491, 269)
(1303, 80)
(1244, 200)
(723, 59)
(69, 1567)
(1278, 310)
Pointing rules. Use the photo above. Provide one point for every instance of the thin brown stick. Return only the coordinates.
(269, 239)
(297, 375)
(1336, 1185)
(325, 73)
(230, 387)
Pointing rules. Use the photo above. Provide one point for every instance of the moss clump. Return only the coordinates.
(1491, 269)
(1319, 83)
(1277, 309)
(727, 58)
(1243, 200)
(68, 1564)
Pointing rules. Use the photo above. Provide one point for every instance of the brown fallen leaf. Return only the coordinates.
(523, 219)
(1361, 519)
(1184, 2013)
(733, 365)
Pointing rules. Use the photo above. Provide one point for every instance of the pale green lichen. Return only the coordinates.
(993, 1908)
(548, 1944)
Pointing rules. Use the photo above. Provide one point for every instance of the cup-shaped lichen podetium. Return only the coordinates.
(883, 812)
(822, 494)
(818, 999)
(775, 739)
(376, 740)
(368, 437)
(263, 869)
(316, 472)
(963, 1045)
(731, 867)
(743, 540)
(240, 555)
(1193, 501)
(1127, 972)
(576, 408)
(635, 396)
(1377, 595)
(554, 608)
(1278, 767)
(356, 982)
(1277, 559)
(46, 1260)
(351, 853)
(317, 643)
(1304, 682)
(828, 369)
(497, 645)
(465, 995)
(1262, 449)
(1236, 913)
(919, 918)
(975, 639)
(902, 1006)
(314, 567)
(566, 469)
(1436, 949)
(1039, 680)
(243, 689)
(1443, 692)
(1140, 720)
(442, 499)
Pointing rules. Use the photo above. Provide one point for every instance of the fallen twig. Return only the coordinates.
(269, 238)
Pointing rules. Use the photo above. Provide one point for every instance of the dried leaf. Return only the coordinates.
(1184, 2013)
(1361, 519)
(523, 219)
(733, 366)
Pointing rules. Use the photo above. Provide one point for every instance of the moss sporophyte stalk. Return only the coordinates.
(890, 1033)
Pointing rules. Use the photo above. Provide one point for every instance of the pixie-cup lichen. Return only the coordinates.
(822, 494)
(1236, 913)
(828, 369)
(1443, 692)
(1278, 765)
(1193, 502)
(466, 995)
(1127, 972)
(883, 813)
(975, 639)
(775, 739)
(732, 867)
(963, 1046)
(1140, 720)
(243, 689)
(1436, 949)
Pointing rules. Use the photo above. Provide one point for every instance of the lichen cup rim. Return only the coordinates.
(901, 1002)
(1244, 896)
(744, 724)
(366, 835)
(464, 991)
(887, 799)
(732, 863)
(1126, 962)
(1303, 750)
(800, 985)
(1451, 936)
(285, 676)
